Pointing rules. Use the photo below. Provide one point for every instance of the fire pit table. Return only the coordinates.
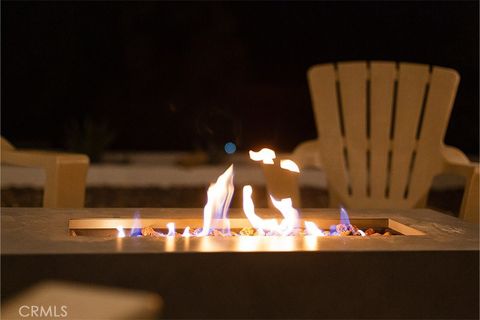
(427, 268)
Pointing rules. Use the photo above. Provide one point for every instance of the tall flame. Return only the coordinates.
(249, 209)
(219, 196)
(286, 226)
(289, 213)
(266, 155)
(288, 164)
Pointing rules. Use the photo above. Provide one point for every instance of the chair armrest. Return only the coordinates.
(455, 162)
(5, 145)
(307, 154)
(40, 159)
(66, 174)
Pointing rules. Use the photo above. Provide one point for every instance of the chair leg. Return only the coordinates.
(65, 185)
(422, 203)
(281, 184)
(469, 210)
(333, 199)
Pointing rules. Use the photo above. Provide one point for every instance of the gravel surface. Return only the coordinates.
(195, 197)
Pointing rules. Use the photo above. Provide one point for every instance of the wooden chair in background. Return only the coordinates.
(66, 173)
(380, 129)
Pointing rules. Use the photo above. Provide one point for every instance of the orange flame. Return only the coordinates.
(289, 165)
(265, 155)
(253, 218)
(186, 232)
(286, 226)
(219, 195)
(121, 232)
(290, 215)
(171, 229)
(312, 229)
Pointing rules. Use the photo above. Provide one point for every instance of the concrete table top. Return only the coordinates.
(45, 231)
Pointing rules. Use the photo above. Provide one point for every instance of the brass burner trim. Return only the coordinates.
(107, 226)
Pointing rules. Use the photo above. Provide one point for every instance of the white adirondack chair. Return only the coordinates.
(66, 173)
(380, 129)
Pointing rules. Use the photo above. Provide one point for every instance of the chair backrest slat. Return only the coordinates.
(412, 84)
(353, 85)
(324, 89)
(441, 95)
(382, 82)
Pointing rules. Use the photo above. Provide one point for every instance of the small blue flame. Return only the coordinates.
(197, 231)
(333, 230)
(344, 217)
(136, 230)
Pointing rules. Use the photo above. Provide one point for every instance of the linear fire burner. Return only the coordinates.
(107, 227)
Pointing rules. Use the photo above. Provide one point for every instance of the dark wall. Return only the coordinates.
(179, 75)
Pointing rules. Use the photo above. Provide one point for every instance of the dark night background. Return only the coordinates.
(179, 76)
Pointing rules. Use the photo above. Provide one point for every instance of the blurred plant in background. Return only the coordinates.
(88, 136)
